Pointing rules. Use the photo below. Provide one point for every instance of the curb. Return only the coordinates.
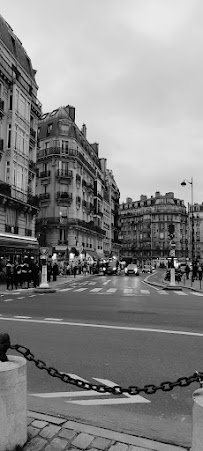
(140, 443)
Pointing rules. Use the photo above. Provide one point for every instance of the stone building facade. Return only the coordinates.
(19, 112)
(72, 185)
(145, 227)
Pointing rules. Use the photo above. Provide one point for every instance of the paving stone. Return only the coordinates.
(137, 448)
(119, 447)
(31, 432)
(82, 441)
(57, 444)
(66, 433)
(29, 420)
(39, 424)
(49, 431)
(101, 443)
(37, 444)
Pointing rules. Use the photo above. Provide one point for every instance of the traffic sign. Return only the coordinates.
(44, 251)
(172, 253)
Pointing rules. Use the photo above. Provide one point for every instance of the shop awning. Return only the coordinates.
(9, 239)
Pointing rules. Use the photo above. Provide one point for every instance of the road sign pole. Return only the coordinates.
(44, 283)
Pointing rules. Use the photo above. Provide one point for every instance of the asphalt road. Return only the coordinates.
(97, 334)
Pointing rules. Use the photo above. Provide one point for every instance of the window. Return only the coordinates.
(10, 106)
(9, 137)
(49, 129)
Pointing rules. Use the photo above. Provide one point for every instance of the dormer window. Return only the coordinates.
(49, 129)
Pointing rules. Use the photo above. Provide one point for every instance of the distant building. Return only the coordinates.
(19, 112)
(73, 188)
(198, 230)
(145, 227)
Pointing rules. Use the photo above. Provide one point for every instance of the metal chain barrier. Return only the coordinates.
(116, 390)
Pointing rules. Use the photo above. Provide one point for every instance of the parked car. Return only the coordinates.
(113, 268)
(147, 269)
(131, 269)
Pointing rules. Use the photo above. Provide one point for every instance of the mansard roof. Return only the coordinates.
(15, 47)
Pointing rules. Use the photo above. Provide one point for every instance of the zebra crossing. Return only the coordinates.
(126, 291)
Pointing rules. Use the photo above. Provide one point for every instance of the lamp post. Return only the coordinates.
(184, 183)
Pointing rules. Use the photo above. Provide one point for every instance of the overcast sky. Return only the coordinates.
(133, 70)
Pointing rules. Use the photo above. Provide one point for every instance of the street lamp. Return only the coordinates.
(184, 183)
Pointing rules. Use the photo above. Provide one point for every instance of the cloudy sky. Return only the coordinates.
(133, 70)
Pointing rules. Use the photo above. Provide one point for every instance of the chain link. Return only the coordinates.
(116, 390)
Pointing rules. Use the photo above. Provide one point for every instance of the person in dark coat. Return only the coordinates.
(49, 272)
(9, 275)
(187, 271)
(55, 272)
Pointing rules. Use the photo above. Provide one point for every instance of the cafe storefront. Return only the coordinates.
(15, 247)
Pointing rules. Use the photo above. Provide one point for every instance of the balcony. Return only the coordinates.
(78, 199)
(2, 112)
(33, 133)
(32, 166)
(44, 174)
(78, 179)
(64, 197)
(64, 174)
(33, 200)
(84, 184)
(28, 232)
(86, 225)
(5, 189)
(51, 151)
(99, 196)
(90, 187)
(84, 204)
(44, 197)
(11, 229)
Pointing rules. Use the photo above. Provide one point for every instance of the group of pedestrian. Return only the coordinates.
(21, 275)
(52, 271)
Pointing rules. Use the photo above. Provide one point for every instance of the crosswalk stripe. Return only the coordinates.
(145, 291)
(7, 300)
(81, 289)
(180, 293)
(197, 293)
(127, 290)
(111, 290)
(163, 292)
(92, 283)
(95, 290)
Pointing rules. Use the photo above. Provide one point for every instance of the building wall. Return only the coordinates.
(144, 226)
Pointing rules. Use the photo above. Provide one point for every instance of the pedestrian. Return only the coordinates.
(25, 274)
(49, 271)
(55, 272)
(187, 271)
(74, 270)
(15, 276)
(85, 269)
(200, 271)
(9, 275)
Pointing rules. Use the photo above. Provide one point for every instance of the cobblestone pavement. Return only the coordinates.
(48, 433)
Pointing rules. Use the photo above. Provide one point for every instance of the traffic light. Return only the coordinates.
(171, 231)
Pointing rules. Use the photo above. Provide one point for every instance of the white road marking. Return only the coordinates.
(32, 296)
(180, 293)
(145, 291)
(197, 294)
(80, 289)
(53, 319)
(111, 290)
(21, 297)
(105, 326)
(92, 283)
(163, 292)
(127, 290)
(7, 300)
(107, 281)
(95, 290)
(99, 402)
(66, 289)
(69, 394)
(24, 317)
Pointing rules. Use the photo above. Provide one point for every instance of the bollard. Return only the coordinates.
(197, 426)
(13, 399)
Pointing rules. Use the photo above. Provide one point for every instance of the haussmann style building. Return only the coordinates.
(145, 226)
(19, 112)
(78, 196)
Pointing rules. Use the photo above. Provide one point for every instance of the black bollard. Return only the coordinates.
(4, 346)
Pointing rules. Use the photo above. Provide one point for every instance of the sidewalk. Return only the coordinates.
(60, 281)
(47, 433)
(157, 279)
